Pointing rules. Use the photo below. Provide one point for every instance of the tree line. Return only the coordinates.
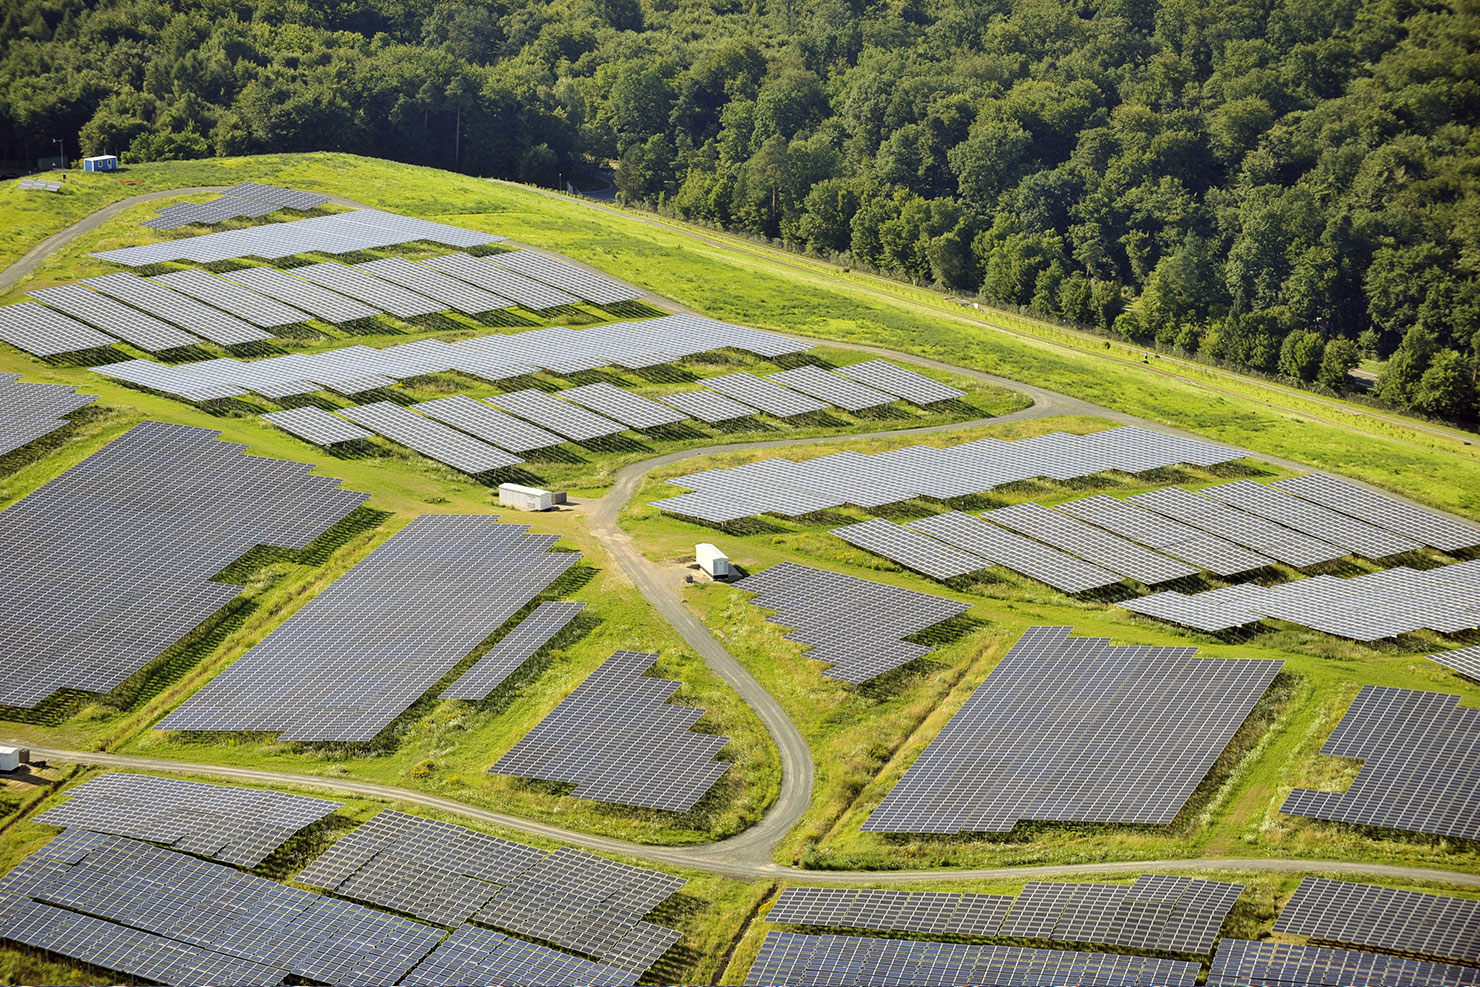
(1287, 186)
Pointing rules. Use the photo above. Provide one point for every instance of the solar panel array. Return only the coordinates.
(430, 438)
(112, 562)
(566, 276)
(769, 397)
(1465, 661)
(42, 332)
(707, 406)
(1266, 537)
(317, 301)
(558, 416)
(452, 293)
(357, 284)
(474, 957)
(241, 826)
(149, 905)
(531, 294)
(913, 387)
(915, 471)
(1076, 729)
(1357, 537)
(824, 385)
(245, 304)
(362, 651)
(495, 357)
(1421, 765)
(799, 960)
(630, 409)
(313, 424)
(1179, 541)
(30, 411)
(1048, 565)
(39, 185)
(207, 213)
(114, 318)
(1159, 912)
(1369, 607)
(156, 299)
(514, 649)
(1243, 963)
(480, 420)
(911, 549)
(1090, 543)
(617, 739)
(286, 198)
(170, 380)
(943, 913)
(1434, 528)
(855, 625)
(1384, 918)
(341, 233)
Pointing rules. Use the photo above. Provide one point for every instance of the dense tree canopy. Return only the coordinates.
(1284, 185)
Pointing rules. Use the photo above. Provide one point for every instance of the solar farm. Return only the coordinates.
(992, 687)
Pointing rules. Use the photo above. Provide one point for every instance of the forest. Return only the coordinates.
(1283, 186)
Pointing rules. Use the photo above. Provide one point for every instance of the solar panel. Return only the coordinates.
(1047, 565)
(513, 650)
(1242, 963)
(113, 561)
(1159, 912)
(241, 826)
(430, 438)
(30, 411)
(1090, 543)
(1465, 661)
(533, 295)
(623, 406)
(347, 232)
(286, 198)
(478, 419)
(1355, 536)
(856, 625)
(769, 397)
(1076, 729)
(799, 960)
(558, 416)
(362, 651)
(707, 406)
(451, 292)
(167, 379)
(184, 311)
(942, 913)
(245, 304)
(128, 324)
(1420, 770)
(913, 387)
(1434, 528)
(617, 740)
(1172, 538)
(911, 549)
(316, 425)
(474, 957)
(367, 288)
(825, 386)
(562, 274)
(41, 332)
(311, 298)
(1366, 915)
(200, 905)
(215, 211)
(1266, 537)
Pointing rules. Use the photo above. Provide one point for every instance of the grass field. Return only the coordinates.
(862, 739)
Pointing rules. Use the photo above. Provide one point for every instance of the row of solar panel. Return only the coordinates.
(248, 200)
(791, 488)
(38, 185)
(32, 411)
(181, 308)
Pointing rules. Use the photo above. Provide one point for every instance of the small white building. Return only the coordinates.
(102, 162)
(522, 498)
(714, 562)
(11, 758)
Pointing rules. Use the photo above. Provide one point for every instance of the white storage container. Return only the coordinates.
(524, 498)
(713, 561)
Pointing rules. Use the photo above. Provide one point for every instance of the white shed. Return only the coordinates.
(12, 758)
(102, 162)
(712, 561)
(522, 498)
